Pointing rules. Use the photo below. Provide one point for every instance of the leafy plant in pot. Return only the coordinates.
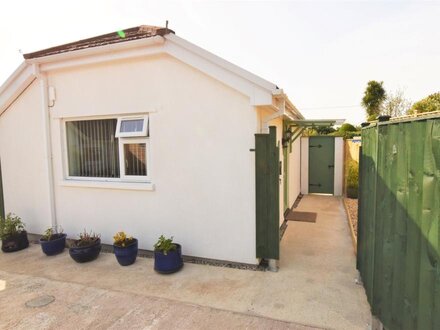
(86, 248)
(13, 233)
(125, 248)
(167, 256)
(53, 241)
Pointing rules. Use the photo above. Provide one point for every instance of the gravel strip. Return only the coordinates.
(352, 206)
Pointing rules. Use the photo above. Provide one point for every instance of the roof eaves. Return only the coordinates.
(135, 33)
(262, 83)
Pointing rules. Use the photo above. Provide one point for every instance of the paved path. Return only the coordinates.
(315, 286)
(76, 306)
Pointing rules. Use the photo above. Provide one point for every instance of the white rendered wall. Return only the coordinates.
(304, 165)
(339, 166)
(202, 169)
(24, 166)
(295, 171)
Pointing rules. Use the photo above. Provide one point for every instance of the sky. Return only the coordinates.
(321, 53)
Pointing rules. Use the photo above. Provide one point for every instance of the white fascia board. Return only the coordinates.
(112, 52)
(110, 49)
(22, 77)
(259, 90)
(104, 57)
(221, 62)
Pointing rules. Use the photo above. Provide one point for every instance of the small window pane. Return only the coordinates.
(132, 125)
(92, 148)
(135, 159)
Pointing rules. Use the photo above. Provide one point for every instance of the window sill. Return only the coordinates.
(144, 186)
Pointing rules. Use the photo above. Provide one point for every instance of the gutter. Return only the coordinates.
(45, 111)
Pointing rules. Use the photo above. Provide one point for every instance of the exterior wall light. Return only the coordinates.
(286, 138)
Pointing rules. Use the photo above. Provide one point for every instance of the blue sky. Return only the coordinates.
(322, 53)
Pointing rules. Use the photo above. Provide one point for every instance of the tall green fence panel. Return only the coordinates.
(267, 195)
(399, 222)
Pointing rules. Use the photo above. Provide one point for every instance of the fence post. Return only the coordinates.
(267, 196)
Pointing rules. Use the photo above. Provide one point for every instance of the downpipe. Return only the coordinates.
(45, 112)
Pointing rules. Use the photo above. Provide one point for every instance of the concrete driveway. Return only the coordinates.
(315, 287)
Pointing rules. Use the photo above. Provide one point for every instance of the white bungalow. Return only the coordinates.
(144, 132)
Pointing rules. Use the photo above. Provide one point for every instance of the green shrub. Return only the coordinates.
(350, 135)
(353, 174)
(428, 104)
(353, 179)
(10, 226)
(347, 127)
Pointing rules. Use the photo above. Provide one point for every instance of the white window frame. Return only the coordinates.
(144, 131)
(122, 177)
(132, 140)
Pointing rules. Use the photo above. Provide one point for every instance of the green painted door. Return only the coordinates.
(321, 164)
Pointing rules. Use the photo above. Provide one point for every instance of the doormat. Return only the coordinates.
(301, 216)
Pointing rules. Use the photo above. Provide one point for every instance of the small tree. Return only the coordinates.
(396, 104)
(428, 104)
(374, 96)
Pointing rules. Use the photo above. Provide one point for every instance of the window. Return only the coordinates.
(133, 154)
(108, 148)
(132, 126)
(92, 148)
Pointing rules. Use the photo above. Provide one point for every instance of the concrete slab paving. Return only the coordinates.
(315, 286)
(80, 307)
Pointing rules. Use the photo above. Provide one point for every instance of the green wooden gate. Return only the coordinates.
(399, 222)
(321, 164)
(267, 195)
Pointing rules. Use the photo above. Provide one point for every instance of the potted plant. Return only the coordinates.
(86, 248)
(167, 256)
(125, 248)
(13, 233)
(53, 241)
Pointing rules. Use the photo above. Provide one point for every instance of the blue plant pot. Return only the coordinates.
(169, 263)
(85, 253)
(126, 255)
(54, 246)
(15, 243)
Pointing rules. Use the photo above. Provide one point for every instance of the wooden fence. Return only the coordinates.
(399, 222)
